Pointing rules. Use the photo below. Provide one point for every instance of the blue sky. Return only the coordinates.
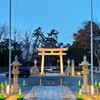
(66, 16)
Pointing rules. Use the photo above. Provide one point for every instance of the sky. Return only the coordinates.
(65, 16)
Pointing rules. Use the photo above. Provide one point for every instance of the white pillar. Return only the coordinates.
(61, 64)
(42, 64)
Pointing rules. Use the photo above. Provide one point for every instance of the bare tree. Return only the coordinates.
(83, 38)
(27, 45)
(3, 31)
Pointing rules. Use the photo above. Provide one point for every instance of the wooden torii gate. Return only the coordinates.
(52, 51)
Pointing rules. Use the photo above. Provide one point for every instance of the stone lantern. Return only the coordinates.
(85, 73)
(68, 67)
(68, 61)
(34, 69)
(15, 73)
(35, 62)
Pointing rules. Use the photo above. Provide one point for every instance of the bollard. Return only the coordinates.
(34, 93)
(40, 82)
(60, 82)
(65, 93)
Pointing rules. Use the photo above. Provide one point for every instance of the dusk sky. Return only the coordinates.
(66, 16)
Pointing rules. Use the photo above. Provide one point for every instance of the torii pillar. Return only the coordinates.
(61, 64)
(42, 64)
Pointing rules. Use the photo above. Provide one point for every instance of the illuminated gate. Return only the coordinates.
(52, 51)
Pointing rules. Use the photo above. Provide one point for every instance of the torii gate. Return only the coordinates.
(52, 51)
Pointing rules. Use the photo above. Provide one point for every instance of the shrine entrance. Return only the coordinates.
(52, 51)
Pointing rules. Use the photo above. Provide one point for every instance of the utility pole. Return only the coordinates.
(92, 83)
(9, 44)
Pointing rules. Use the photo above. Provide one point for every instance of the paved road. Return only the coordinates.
(69, 81)
(51, 80)
(55, 80)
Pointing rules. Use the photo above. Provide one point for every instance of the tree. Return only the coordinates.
(83, 37)
(3, 31)
(51, 39)
(77, 53)
(27, 46)
(38, 41)
(16, 50)
(4, 52)
(51, 42)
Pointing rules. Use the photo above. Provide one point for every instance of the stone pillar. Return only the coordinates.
(85, 80)
(85, 73)
(15, 73)
(72, 68)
